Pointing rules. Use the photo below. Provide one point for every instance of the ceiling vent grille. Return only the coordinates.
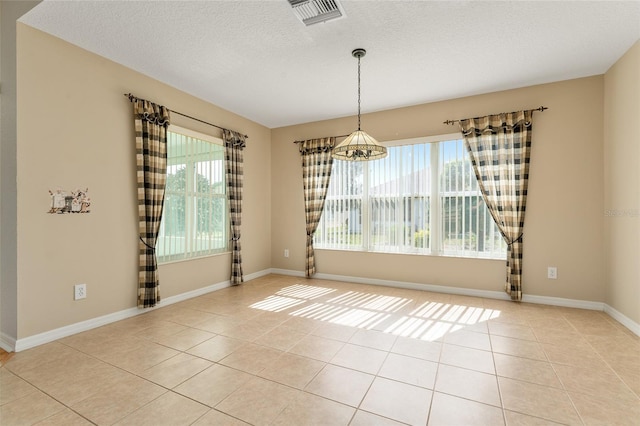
(314, 11)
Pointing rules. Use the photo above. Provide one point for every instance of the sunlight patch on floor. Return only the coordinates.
(353, 317)
(308, 292)
(430, 321)
(371, 301)
(277, 303)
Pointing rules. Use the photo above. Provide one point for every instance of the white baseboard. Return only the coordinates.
(11, 345)
(68, 330)
(289, 272)
(417, 286)
(567, 303)
(400, 284)
(258, 274)
(622, 319)
(7, 343)
(541, 300)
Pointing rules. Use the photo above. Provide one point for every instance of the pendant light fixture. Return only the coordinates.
(359, 146)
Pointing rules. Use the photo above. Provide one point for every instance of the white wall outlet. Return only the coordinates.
(79, 291)
(286, 252)
(552, 272)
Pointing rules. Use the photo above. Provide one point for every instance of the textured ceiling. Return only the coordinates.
(257, 59)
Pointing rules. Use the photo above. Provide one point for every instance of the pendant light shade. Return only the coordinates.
(359, 146)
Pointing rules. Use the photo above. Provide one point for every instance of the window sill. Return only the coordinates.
(440, 255)
(188, 259)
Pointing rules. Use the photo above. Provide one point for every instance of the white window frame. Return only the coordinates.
(436, 220)
(191, 251)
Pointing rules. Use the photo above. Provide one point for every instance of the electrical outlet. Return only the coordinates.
(552, 272)
(79, 291)
(286, 252)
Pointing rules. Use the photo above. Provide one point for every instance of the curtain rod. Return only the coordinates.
(131, 98)
(341, 136)
(541, 109)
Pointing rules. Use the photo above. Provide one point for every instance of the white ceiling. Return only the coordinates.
(255, 58)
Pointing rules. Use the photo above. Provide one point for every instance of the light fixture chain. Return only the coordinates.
(359, 146)
(358, 92)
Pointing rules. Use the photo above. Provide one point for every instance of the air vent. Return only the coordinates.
(314, 11)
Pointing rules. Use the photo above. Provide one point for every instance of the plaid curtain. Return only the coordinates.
(500, 148)
(234, 143)
(151, 122)
(316, 172)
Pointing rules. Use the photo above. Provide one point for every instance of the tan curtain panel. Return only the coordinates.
(316, 172)
(500, 148)
(234, 143)
(151, 122)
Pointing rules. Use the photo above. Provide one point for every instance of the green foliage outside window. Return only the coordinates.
(209, 212)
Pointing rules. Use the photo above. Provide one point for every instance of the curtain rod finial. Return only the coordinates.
(541, 109)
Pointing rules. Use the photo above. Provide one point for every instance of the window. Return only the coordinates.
(194, 221)
(422, 198)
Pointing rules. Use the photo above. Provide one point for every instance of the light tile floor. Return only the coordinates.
(282, 350)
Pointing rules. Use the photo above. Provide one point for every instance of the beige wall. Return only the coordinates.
(10, 11)
(564, 208)
(75, 130)
(622, 183)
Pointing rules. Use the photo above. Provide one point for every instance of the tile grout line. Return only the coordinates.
(435, 382)
(39, 389)
(495, 367)
(553, 366)
(310, 333)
